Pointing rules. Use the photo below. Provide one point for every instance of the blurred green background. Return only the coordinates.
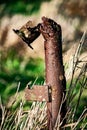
(15, 68)
(20, 64)
(27, 7)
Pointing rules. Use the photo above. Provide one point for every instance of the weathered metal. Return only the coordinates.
(28, 33)
(51, 32)
(54, 90)
(38, 93)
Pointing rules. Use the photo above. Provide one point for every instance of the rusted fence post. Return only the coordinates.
(51, 32)
(54, 90)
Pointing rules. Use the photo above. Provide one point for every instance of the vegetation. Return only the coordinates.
(35, 117)
(26, 7)
(16, 72)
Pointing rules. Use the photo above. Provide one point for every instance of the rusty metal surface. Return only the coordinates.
(51, 32)
(28, 33)
(37, 93)
(55, 86)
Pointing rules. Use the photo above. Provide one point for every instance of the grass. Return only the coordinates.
(76, 103)
(19, 116)
(26, 7)
(15, 70)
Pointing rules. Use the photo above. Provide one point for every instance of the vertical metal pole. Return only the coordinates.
(51, 32)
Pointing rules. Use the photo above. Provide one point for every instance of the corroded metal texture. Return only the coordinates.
(51, 32)
(38, 93)
(28, 33)
(54, 90)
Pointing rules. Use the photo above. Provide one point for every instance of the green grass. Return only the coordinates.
(26, 7)
(14, 70)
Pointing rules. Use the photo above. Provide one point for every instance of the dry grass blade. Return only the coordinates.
(3, 113)
(80, 118)
(37, 116)
(74, 61)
